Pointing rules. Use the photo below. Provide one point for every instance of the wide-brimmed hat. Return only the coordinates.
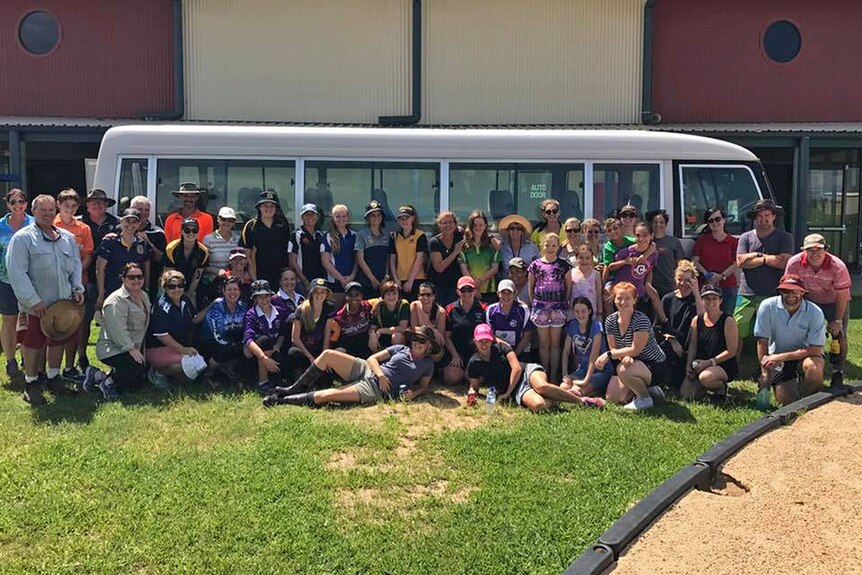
(261, 287)
(791, 282)
(373, 206)
(814, 241)
(61, 319)
(766, 204)
(515, 219)
(99, 194)
(187, 188)
(269, 196)
(427, 332)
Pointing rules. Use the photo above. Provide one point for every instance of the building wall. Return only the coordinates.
(709, 64)
(297, 60)
(114, 60)
(484, 61)
(554, 61)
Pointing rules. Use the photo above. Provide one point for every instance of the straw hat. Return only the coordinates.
(503, 224)
(62, 319)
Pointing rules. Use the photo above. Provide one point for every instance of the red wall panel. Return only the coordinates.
(709, 64)
(114, 60)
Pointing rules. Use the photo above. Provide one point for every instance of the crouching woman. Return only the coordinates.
(397, 371)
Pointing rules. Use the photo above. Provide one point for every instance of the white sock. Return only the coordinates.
(30, 378)
(52, 372)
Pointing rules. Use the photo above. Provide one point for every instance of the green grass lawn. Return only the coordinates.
(196, 482)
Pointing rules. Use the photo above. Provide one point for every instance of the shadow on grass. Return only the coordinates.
(672, 410)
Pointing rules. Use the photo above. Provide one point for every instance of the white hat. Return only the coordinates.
(227, 213)
(193, 365)
(506, 285)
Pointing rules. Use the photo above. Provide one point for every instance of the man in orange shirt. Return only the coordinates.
(68, 202)
(188, 195)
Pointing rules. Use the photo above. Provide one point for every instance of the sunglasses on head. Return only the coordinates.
(552, 211)
(714, 220)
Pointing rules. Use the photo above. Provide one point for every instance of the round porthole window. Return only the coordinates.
(39, 32)
(782, 41)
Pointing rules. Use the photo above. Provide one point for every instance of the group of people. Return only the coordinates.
(543, 314)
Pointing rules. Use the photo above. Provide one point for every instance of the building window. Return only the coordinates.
(39, 32)
(782, 41)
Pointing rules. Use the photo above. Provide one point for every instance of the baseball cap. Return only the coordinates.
(518, 263)
(373, 206)
(352, 285)
(709, 289)
(466, 281)
(237, 253)
(309, 207)
(227, 213)
(813, 241)
(483, 331)
(131, 213)
(405, 211)
(791, 282)
(506, 285)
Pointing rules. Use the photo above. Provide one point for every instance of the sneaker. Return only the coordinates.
(471, 396)
(837, 379)
(159, 380)
(72, 374)
(33, 394)
(92, 378)
(109, 390)
(12, 369)
(265, 387)
(596, 402)
(656, 393)
(639, 404)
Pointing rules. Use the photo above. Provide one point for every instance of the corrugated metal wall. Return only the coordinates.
(549, 61)
(709, 64)
(297, 60)
(484, 61)
(114, 60)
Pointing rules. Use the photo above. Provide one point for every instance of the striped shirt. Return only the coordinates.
(640, 322)
(219, 250)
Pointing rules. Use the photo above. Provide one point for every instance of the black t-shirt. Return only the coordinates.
(306, 246)
(680, 312)
(449, 277)
(496, 371)
(271, 244)
(461, 324)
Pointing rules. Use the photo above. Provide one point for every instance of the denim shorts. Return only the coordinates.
(524, 385)
(599, 380)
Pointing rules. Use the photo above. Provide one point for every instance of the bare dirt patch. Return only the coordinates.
(790, 502)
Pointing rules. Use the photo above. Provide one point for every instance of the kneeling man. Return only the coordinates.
(790, 334)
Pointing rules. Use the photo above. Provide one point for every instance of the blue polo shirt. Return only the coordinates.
(787, 332)
(117, 255)
(375, 251)
(345, 259)
(173, 320)
(512, 326)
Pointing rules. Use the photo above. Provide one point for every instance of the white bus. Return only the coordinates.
(591, 172)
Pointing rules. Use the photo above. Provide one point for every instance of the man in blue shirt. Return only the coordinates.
(790, 332)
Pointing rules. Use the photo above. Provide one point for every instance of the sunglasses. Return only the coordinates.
(189, 231)
(135, 277)
(714, 220)
(573, 230)
(16, 202)
(628, 216)
(174, 286)
(551, 212)
(419, 339)
(593, 232)
(515, 228)
(466, 290)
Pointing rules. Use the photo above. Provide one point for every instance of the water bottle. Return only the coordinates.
(834, 350)
(491, 401)
(764, 398)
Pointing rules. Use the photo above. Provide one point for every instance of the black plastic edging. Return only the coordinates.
(594, 561)
(657, 501)
(855, 386)
(727, 447)
(792, 410)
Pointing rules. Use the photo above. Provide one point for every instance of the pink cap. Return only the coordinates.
(483, 331)
(466, 281)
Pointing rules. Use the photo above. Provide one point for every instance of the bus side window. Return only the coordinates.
(500, 204)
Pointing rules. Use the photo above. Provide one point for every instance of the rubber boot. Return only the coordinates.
(304, 382)
(306, 399)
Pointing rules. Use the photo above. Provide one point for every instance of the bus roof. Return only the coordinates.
(415, 143)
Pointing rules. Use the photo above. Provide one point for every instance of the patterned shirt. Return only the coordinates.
(636, 273)
(823, 284)
(510, 327)
(223, 326)
(549, 282)
(479, 260)
(640, 322)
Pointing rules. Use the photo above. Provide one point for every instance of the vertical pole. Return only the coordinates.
(799, 227)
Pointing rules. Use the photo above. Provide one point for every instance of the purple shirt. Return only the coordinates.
(636, 274)
(256, 324)
(549, 286)
(509, 327)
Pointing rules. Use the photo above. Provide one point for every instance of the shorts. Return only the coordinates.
(599, 380)
(524, 385)
(790, 372)
(8, 301)
(548, 317)
(35, 339)
(829, 314)
(660, 372)
(91, 294)
(365, 381)
(745, 312)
